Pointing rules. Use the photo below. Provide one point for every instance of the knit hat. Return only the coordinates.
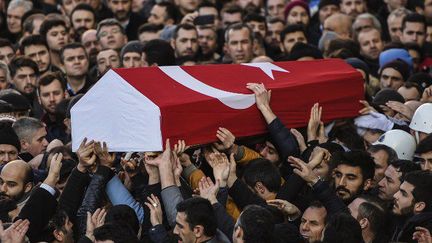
(399, 66)
(18, 101)
(386, 95)
(296, 3)
(301, 49)
(359, 64)
(424, 80)
(324, 3)
(8, 136)
(393, 54)
(132, 46)
(5, 107)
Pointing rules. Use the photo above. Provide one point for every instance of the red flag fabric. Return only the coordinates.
(194, 101)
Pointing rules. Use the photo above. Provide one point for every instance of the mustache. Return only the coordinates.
(342, 188)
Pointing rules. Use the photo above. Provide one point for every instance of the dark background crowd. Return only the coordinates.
(365, 179)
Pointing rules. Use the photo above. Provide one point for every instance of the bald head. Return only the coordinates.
(340, 24)
(16, 179)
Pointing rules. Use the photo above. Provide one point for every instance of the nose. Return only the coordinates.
(428, 166)
(381, 183)
(305, 226)
(51, 97)
(342, 181)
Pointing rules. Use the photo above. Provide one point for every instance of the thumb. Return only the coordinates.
(269, 94)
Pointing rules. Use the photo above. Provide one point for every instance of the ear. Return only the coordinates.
(198, 231)
(28, 187)
(238, 233)
(364, 223)
(172, 42)
(419, 207)
(24, 144)
(58, 235)
(66, 122)
(367, 184)
(39, 100)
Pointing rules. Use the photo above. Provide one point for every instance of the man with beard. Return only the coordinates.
(371, 46)
(208, 43)
(129, 20)
(107, 59)
(82, 19)
(51, 91)
(9, 144)
(36, 48)
(273, 39)
(185, 40)
(16, 181)
(353, 174)
(60, 228)
(24, 73)
(353, 7)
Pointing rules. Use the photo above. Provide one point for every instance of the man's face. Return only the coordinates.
(120, 8)
(414, 32)
(187, 6)
(91, 44)
(348, 181)
(292, 38)
(157, 15)
(429, 34)
(335, 25)
(353, 7)
(4, 83)
(57, 37)
(107, 59)
(38, 143)
(13, 19)
(354, 206)
(389, 185)
(275, 8)
(258, 27)
(381, 163)
(404, 199)
(132, 59)
(40, 55)
(394, 4)
(312, 223)
(182, 229)
(428, 8)
(7, 153)
(269, 152)
(409, 93)
(426, 161)
(371, 44)
(298, 15)
(273, 33)
(83, 20)
(50, 96)
(12, 182)
(230, 18)
(207, 40)
(391, 78)
(6, 54)
(327, 11)
(186, 43)
(75, 62)
(111, 37)
(395, 27)
(25, 80)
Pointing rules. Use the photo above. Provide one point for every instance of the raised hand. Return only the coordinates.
(208, 189)
(303, 170)
(300, 139)
(401, 108)
(226, 139)
(422, 235)
(220, 165)
(105, 158)
(289, 209)
(180, 147)
(232, 176)
(163, 158)
(262, 96)
(54, 170)
(86, 155)
(427, 95)
(155, 207)
(367, 108)
(314, 122)
(177, 168)
(94, 221)
(15, 233)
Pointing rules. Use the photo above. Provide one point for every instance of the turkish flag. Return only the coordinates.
(192, 102)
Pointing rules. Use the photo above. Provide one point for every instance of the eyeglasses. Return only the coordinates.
(113, 31)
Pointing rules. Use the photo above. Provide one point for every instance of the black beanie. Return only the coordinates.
(8, 136)
(359, 64)
(385, 95)
(324, 3)
(400, 66)
(18, 102)
(301, 49)
(424, 80)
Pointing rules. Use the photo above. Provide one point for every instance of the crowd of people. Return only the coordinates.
(364, 179)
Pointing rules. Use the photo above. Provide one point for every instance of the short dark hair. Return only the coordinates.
(257, 224)
(119, 233)
(342, 228)
(109, 22)
(274, 20)
(422, 182)
(74, 45)
(356, 159)
(31, 40)
(170, 10)
(50, 77)
(83, 6)
(149, 27)
(404, 166)
(159, 52)
(232, 8)
(262, 170)
(20, 62)
(49, 24)
(413, 18)
(254, 17)
(291, 29)
(199, 211)
(185, 27)
(6, 42)
(425, 145)
(375, 215)
(57, 222)
(206, 4)
(123, 214)
(391, 153)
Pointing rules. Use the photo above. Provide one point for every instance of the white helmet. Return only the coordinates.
(422, 119)
(402, 142)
